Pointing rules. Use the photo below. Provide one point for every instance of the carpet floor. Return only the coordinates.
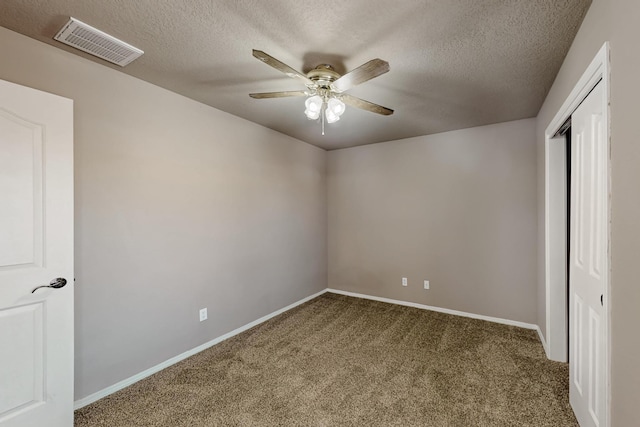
(343, 361)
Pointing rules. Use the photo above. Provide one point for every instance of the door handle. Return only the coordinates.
(55, 284)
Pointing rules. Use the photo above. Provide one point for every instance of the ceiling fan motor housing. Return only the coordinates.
(323, 75)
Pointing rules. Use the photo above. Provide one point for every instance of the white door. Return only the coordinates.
(36, 247)
(589, 261)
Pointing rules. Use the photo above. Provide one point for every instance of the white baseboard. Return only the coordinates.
(134, 379)
(543, 341)
(441, 310)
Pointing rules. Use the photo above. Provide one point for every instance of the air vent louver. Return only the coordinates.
(93, 41)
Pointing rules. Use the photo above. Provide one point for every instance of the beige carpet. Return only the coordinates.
(342, 361)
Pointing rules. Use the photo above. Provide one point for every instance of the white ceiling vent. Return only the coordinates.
(91, 40)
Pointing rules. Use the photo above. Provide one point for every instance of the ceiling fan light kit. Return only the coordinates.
(325, 97)
(327, 105)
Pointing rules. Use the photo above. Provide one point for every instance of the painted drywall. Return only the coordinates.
(616, 21)
(178, 206)
(625, 213)
(456, 208)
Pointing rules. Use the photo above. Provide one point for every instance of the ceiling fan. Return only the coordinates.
(325, 88)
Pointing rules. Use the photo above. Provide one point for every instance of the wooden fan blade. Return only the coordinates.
(280, 66)
(264, 95)
(363, 73)
(365, 105)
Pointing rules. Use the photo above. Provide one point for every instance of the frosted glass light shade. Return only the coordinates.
(336, 106)
(314, 106)
(331, 116)
(312, 115)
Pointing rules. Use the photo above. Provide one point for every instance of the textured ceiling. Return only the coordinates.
(454, 63)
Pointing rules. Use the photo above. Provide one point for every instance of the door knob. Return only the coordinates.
(55, 284)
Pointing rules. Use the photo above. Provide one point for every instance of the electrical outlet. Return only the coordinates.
(404, 281)
(426, 284)
(203, 314)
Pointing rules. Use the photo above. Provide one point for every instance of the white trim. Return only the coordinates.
(157, 368)
(556, 308)
(438, 309)
(555, 232)
(594, 73)
(135, 378)
(542, 340)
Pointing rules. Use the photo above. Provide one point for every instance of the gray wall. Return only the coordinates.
(625, 212)
(616, 21)
(178, 206)
(457, 208)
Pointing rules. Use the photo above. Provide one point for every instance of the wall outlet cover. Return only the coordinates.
(426, 284)
(203, 314)
(404, 281)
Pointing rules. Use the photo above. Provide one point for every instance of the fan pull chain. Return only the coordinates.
(323, 113)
